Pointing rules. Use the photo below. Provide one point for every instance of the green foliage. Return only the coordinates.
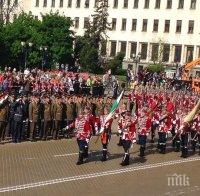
(53, 31)
(115, 64)
(156, 68)
(89, 58)
(56, 33)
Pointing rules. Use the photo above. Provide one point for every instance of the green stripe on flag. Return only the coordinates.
(116, 103)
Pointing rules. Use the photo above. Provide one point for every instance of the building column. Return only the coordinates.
(171, 53)
(108, 48)
(118, 45)
(183, 54)
(138, 49)
(149, 47)
(127, 56)
(195, 53)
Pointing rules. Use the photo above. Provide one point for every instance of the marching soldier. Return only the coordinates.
(34, 115)
(184, 139)
(144, 129)
(83, 126)
(176, 142)
(106, 134)
(164, 127)
(127, 128)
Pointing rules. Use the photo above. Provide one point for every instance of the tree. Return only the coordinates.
(25, 28)
(8, 9)
(89, 58)
(56, 34)
(52, 35)
(115, 64)
(156, 68)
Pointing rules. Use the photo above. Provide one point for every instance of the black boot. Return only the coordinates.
(193, 146)
(125, 160)
(85, 154)
(104, 155)
(142, 148)
(178, 146)
(120, 142)
(184, 152)
(174, 144)
(80, 159)
(164, 149)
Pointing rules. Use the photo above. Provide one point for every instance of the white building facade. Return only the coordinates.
(161, 30)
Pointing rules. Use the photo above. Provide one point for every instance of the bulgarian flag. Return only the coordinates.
(112, 110)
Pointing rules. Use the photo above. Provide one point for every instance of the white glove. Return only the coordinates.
(67, 127)
(134, 141)
(147, 134)
(119, 131)
(87, 140)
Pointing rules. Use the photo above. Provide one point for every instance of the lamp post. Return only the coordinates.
(136, 60)
(43, 50)
(25, 48)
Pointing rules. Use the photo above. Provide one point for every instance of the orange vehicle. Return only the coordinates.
(191, 73)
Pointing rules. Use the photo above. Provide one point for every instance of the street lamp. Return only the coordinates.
(136, 60)
(25, 49)
(43, 50)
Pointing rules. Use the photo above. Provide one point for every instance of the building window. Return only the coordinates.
(155, 25)
(87, 3)
(76, 22)
(16, 2)
(45, 3)
(191, 26)
(169, 4)
(178, 26)
(157, 5)
(193, 4)
(146, 4)
(154, 52)
(114, 23)
(37, 3)
(167, 26)
(134, 24)
(144, 25)
(115, 4)
(61, 3)
(133, 48)
(123, 24)
(78, 3)
(69, 3)
(166, 52)
(190, 52)
(86, 23)
(96, 3)
(135, 5)
(113, 48)
(123, 47)
(177, 54)
(144, 51)
(125, 3)
(52, 3)
(181, 4)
